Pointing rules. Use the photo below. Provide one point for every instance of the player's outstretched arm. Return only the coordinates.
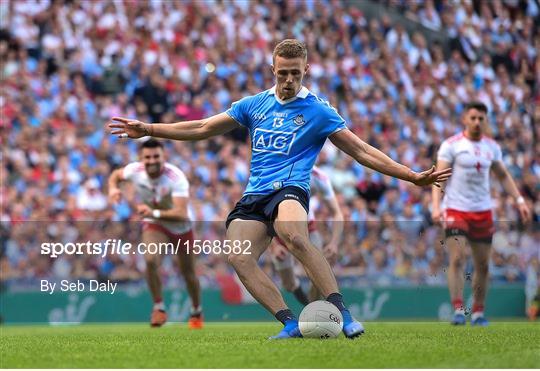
(184, 130)
(371, 157)
(510, 186)
(436, 193)
(115, 194)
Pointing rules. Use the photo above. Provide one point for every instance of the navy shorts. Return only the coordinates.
(264, 208)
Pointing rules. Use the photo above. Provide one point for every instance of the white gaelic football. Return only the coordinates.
(320, 319)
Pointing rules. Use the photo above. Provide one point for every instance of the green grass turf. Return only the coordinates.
(244, 345)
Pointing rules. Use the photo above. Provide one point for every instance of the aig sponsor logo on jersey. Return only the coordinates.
(272, 141)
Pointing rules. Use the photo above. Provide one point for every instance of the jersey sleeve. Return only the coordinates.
(331, 119)
(181, 185)
(129, 170)
(445, 152)
(497, 153)
(240, 111)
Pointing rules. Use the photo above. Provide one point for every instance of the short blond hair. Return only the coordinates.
(290, 48)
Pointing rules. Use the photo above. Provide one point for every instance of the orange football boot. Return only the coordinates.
(158, 318)
(532, 312)
(196, 321)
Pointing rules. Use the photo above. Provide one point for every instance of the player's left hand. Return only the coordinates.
(431, 177)
(330, 252)
(128, 128)
(144, 210)
(524, 212)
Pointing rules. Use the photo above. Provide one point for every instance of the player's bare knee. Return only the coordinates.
(482, 269)
(239, 261)
(297, 243)
(457, 262)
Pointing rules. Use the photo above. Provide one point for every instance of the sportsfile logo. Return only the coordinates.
(273, 141)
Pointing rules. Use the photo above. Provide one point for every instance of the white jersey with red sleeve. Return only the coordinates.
(158, 192)
(468, 188)
(320, 187)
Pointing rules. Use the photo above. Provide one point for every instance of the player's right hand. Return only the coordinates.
(114, 196)
(144, 211)
(431, 177)
(524, 213)
(128, 128)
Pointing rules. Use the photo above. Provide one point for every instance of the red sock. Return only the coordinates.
(158, 300)
(477, 308)
(458, 304)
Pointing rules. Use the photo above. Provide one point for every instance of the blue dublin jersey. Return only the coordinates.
(286, 137)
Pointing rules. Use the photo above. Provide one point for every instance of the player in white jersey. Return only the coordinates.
(321, 192)
(164, 192)
(466, 209)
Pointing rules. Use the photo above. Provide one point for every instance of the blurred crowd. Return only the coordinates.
(67, 67)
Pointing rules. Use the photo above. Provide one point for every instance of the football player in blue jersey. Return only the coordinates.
(288, 126)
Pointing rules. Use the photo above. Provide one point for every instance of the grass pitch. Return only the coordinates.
(244, 345)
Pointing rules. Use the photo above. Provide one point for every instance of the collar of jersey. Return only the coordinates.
(303, 93)
(470, 139)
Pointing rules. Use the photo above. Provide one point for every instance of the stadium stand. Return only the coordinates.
(68, 66)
